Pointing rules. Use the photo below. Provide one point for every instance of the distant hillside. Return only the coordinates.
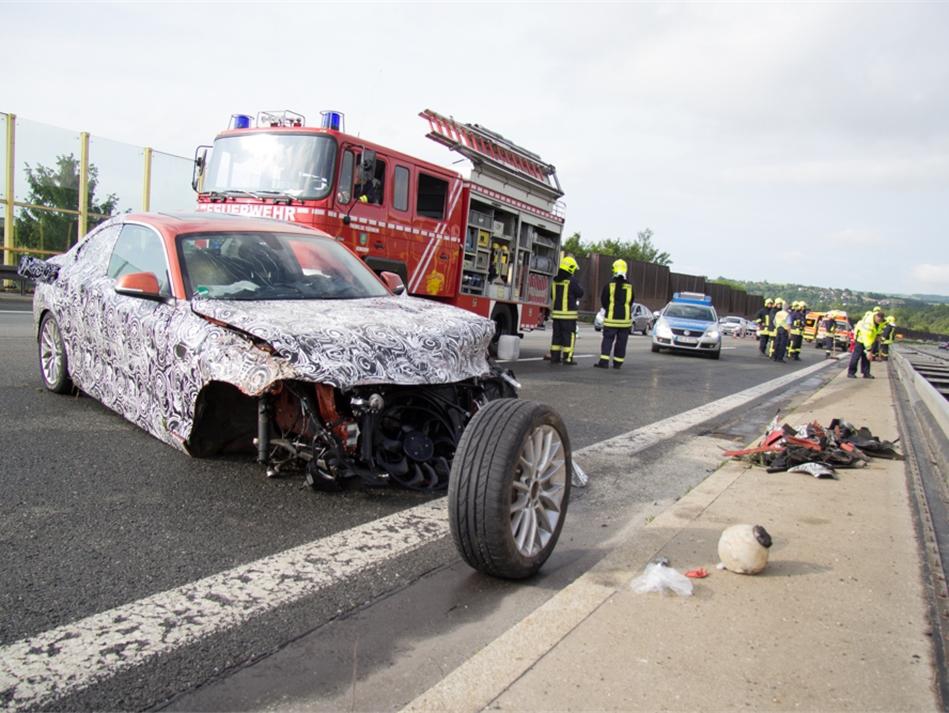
(927, 313)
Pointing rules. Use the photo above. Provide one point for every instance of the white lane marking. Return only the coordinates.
(650, 435)
(61, 661)
(45, 667)
(16, 311)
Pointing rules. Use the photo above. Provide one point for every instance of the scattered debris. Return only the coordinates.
(818, 470)
(743, 549)
(659, 578)
(839, 445)
(697, 573)
(579, 477)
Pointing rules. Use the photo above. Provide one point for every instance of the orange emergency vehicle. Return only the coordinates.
(488, 243)
(811, 325)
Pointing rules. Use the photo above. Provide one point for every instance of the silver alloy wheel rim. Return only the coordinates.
(51, 352)
(540, 481)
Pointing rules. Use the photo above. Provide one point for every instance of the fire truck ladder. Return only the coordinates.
(483, 146)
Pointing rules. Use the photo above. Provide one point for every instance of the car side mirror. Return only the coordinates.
(393, 282)
(139, 284)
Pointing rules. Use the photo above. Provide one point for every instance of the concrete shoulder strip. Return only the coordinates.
(473, 685)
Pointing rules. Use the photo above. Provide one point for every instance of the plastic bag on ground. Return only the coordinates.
(661, 578)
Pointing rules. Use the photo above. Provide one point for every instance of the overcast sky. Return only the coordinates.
(789, 142)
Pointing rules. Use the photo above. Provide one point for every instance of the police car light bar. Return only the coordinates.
(692, 298)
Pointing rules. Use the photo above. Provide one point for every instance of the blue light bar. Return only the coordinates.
(695, 298)
(332, 120)
(240, 121)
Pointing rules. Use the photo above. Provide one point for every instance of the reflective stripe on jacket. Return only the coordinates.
(617, 300)
(562, 307)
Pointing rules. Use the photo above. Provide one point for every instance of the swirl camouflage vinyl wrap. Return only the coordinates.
(149, 360)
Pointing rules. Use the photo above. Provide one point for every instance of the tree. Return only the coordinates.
(574, 246)
(57, 188)
(640, 249)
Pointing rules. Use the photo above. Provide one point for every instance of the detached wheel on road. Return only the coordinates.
(509, 487)
(52, 355)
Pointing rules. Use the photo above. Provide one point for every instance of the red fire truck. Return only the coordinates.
(488, 243)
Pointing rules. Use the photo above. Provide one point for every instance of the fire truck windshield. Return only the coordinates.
(264, 164)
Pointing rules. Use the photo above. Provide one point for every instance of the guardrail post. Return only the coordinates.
(147, 187)
(8, 192)
(83, 184)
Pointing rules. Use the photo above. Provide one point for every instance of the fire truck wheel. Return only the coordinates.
(509, 487)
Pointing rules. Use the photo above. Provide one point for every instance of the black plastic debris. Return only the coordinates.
(839, 445)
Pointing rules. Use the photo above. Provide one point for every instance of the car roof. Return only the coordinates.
(194, 222)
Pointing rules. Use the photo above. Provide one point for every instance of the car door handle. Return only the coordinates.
(379, 245)
(443, 256)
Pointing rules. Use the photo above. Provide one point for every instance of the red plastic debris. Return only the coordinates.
(697, 573)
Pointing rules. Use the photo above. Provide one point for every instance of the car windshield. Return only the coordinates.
(731, 320)
(697, 312)
(272, 266)
(262, 165)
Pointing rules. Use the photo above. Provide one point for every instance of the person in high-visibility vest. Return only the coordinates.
(617, 302)
(887, 336)
(798, 310)
(762, 319)
(865, 334)
(780, 323)
(566, 293)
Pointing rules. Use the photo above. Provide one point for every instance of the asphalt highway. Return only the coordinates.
(96, 514)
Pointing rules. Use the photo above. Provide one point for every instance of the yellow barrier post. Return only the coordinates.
(8, 243)
(147, 188)
(83, 183)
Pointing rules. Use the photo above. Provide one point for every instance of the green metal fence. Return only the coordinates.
(56, 184)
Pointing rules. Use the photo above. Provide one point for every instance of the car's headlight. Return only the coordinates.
(712, 334)
(662, 329)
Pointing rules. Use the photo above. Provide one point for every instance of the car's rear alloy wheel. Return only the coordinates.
(509, 487)
(52, 354)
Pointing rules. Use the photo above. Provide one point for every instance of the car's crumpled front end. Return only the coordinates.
(378, 388)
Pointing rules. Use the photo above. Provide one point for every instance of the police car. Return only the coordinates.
(688, 323)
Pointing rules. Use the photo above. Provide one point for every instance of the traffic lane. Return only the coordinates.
(260, 636)
(99, 513)
(598, 403)
(406, 642)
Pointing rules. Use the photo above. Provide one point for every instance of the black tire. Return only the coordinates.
(481, 489)
(716, 355)
(655, 349)
(54, 365)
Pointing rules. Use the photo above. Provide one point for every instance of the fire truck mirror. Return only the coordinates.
(200, 161)
(343, 197)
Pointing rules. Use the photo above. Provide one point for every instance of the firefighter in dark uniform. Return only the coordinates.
(763, 320)
(617, 301)
(798, 310)
(780, 326)
(566, 294)
(887, 337)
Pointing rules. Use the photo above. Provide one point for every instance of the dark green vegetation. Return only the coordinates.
(640, 249)
(925, 315)
(58, 188)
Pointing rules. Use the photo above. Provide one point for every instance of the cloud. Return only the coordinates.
(932, 276)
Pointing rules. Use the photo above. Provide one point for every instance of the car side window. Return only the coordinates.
(140, 249)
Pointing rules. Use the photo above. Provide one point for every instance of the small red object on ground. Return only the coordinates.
(697, 573)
